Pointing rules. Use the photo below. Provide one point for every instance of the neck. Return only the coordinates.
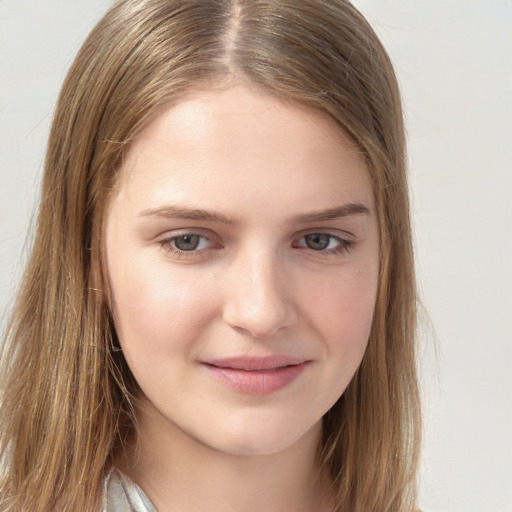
(179, 473)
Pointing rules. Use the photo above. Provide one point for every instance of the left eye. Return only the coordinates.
(320, 241)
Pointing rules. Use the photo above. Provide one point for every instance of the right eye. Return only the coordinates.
(186, 244)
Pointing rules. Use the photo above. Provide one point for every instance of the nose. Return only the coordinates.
(259, 298)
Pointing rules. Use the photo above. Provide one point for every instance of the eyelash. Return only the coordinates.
(344, 245)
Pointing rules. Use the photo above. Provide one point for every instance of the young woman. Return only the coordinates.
(219, 309)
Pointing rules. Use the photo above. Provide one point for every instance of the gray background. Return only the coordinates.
(454, 63)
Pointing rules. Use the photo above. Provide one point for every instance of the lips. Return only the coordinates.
(256, 376)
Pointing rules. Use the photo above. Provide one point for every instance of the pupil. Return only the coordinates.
(318, 241)
(187, 242)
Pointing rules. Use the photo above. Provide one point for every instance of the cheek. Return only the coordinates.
(155, 311)
(342, 309)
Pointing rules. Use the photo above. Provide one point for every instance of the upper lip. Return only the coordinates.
(249, 363)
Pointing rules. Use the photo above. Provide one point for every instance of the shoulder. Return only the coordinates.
(121, 494)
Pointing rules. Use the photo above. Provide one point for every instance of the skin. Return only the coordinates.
(255, 285)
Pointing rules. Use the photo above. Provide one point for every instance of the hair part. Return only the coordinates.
(68, 395)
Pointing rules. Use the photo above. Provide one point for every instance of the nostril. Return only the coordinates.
(259, 324)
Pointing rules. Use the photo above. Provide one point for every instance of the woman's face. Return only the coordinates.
(242, 250)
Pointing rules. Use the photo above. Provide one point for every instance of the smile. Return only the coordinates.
(257, 376)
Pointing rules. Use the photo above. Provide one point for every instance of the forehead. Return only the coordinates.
(239, 141)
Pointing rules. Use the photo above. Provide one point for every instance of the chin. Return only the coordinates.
(271, 440)
(254, 449)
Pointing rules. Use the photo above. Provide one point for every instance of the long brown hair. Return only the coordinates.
(66, 401)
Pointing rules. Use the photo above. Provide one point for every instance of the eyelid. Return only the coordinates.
(176, 233)
(346, 236)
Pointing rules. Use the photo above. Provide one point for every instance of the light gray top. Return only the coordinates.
(123, 495)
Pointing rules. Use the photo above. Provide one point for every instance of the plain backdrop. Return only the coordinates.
(454, 61)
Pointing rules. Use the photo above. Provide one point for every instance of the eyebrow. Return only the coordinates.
(338, 212)
(179, 212)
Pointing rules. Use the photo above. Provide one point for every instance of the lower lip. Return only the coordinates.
(257, 382)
